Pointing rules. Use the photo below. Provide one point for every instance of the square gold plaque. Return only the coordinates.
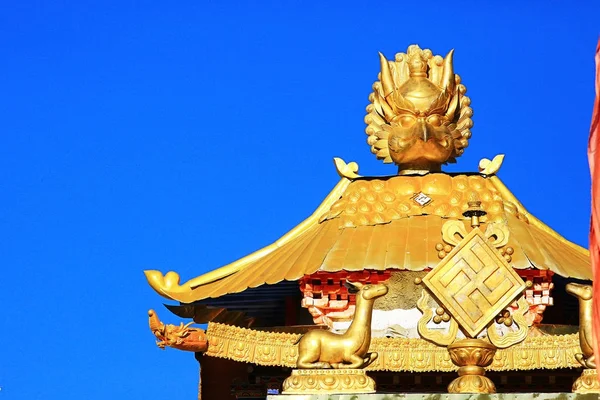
(474, 283)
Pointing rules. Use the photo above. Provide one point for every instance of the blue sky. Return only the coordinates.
(181, 137)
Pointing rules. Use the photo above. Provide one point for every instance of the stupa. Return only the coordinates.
(469, 271)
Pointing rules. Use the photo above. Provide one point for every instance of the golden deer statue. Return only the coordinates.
(323, 349)
(584, 294)
(588, 382)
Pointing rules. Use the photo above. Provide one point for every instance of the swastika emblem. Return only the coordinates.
(474, 283)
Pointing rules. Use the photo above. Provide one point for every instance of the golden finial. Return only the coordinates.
(419, 117)
(417, 63)
(475, 210)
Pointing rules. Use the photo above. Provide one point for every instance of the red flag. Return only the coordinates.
(594, 160)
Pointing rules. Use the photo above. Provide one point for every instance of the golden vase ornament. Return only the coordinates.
(472, 356)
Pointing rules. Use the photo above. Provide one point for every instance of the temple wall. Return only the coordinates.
(216, 377)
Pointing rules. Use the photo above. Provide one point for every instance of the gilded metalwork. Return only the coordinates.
(563, 263)
(474, 283)
(474, 210)
(419, 117)
(443, 249)
(497, 235)
(589, 381)
(169, 286)
(252, 346)
(348, 171)
(303, 381)
(395, 354)
(434, 336)
(379, 201)
(584, 294)
(501, 341)
(380, 210)
(181, 337)
(508, 339)
(324, 349)
(472, 356)
(453, 232)
(491, 167)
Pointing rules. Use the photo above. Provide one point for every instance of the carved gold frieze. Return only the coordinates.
(395, 354)
(315, 381)
(248, 345)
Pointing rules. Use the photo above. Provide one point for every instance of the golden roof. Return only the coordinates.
(373, 223)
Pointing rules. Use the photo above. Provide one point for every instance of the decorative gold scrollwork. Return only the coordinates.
(511, 338)
(440, 338)
(452, 229)
(453, 232)
(499, 233)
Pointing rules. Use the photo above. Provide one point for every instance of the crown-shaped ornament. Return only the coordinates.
(419, 117)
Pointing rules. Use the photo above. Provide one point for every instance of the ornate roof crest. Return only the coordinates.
(419, 117)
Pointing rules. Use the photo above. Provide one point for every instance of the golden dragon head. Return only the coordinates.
(419, 117)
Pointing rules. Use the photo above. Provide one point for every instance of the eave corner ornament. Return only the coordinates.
(182, 337)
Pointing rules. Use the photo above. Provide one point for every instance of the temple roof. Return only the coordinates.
(375, 224)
